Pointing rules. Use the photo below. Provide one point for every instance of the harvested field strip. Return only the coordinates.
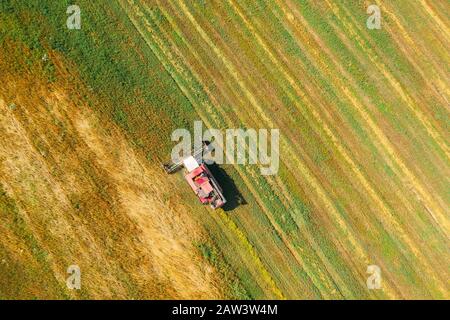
(364, 114)
(227, 64)
(395, 84)
(207, 122)
(403, 166)
(185, 90)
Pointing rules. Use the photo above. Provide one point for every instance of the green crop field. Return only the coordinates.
(86, 121)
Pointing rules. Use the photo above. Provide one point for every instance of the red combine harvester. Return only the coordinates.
(200, 178)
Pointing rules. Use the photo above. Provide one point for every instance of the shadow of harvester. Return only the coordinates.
(230, 191)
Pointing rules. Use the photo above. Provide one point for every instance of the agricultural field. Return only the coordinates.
(86, 117)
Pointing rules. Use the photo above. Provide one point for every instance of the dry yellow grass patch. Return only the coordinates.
(88, 199)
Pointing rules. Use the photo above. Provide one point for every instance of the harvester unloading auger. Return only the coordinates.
(199, 177)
